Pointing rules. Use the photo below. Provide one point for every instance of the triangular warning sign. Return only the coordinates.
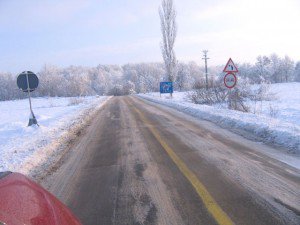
(230, 67)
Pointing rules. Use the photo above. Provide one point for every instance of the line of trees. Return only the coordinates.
(271, 69)
(143, 77)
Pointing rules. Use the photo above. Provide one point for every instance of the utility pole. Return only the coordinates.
(206, 74)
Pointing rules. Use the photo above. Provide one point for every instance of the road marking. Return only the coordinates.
(212, 206)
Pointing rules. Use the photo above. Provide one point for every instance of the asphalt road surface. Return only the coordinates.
(142, 163)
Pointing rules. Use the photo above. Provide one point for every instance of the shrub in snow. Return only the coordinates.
(211, 96)
(237, 98)
(75, 101)
(273, 111)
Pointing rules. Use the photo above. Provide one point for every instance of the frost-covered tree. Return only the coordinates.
(276, 69)
(282, 69)
(51, 81)
(143, 77)
(246, 70)
(297, 72)
(287, 69)
(272, 69)
(167, 15)
(128, 88)
(184, 80)
(262, 68)
(98, 81)
(197, 75)
(8, 87)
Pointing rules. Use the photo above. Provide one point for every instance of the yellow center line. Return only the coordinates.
(212, 206)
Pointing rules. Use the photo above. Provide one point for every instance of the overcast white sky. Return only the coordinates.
(92, 32)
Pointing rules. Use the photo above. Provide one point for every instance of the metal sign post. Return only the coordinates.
(28, 82)
(32, 119)
(166, 87)
(230, 79)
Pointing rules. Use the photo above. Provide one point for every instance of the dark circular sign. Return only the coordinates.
(27, 80)
(230, 80)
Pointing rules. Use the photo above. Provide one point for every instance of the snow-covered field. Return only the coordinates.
(276, 121)
(23, 148)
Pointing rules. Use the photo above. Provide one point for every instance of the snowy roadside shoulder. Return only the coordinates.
(30, 149)
(271, 130)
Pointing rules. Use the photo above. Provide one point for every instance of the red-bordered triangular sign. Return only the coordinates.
(230, 67)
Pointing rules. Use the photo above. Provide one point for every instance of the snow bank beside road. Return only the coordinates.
(23, 148)
(283, 130)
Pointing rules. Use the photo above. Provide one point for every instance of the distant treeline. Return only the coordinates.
(142, 77)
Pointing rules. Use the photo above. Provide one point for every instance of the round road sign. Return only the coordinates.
(230, 80)
(27, 80)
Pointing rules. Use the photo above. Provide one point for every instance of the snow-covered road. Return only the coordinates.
(282, 129)
(144, 163)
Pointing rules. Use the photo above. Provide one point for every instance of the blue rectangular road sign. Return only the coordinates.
(166, 87)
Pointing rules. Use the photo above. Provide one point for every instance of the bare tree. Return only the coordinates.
(167, 15)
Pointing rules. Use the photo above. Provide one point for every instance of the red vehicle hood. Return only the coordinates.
(24, 202)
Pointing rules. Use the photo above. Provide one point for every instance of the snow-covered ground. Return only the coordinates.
(276, 121)
(23, 148)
